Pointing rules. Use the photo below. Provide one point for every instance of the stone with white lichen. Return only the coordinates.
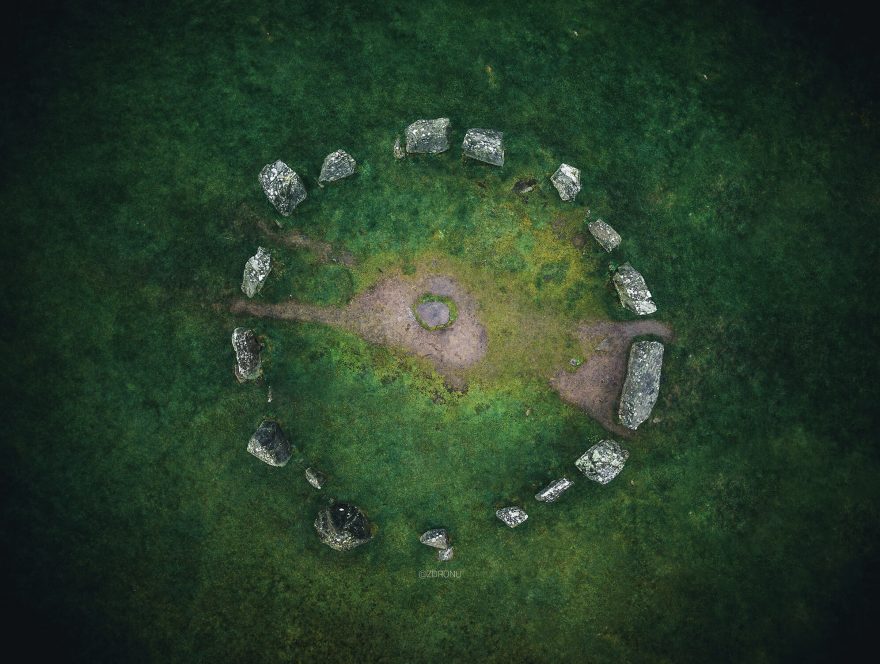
(315, 477)
(551, 493)
(445, 554)
(248, 363)
(485, 145)
(342, 526)
(567, 180)
(512, 516)
(270, 445)
(282, 186)
(428, 136)
(603, 461)
(337, 165)
(633, 291)
(256, 270)
(399, 152)
(606, 236)
(436, 537)
(642, 385)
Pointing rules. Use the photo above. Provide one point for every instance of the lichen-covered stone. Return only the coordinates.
(567, 180)
(342, 526)
(270, 445)
(551, 493)
(642, 384)
(256, 270)
(444, 555)
(603, 461)
(399, 152)
(633, 291)
(512, 516)
(428, 136)
(315, 477)
(283, 187)
(337, 165)
(248, 364)
(484, 145)
(436, 537)
(606, 236)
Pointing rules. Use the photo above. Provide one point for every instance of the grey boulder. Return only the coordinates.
(567, 180)
(256, 270)
(283, 187)
(436, 537)
(551, 493)
(633, 291)
(484, 145)
(606, 236)
(337, 165)
(445, 554)
(428, 136)
(642, 384)
(342, 527)
(315, 477)
(512, 516)
(270, 445)
(603, 461)
(248, 364)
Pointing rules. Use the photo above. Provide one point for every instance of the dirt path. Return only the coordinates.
(596, 385)
(383, 315)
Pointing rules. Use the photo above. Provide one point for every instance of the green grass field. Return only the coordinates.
(739, 166)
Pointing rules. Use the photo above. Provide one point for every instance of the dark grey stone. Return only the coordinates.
(342, 527)
(428, 136)
(283, 187)
(484, 145)
(603, 461)
(524, 186)
(270, 445)
(248, 363)
(315, 477)
(337, 165)
(642, 385)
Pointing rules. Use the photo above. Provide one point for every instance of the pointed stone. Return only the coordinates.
(337, 165)
(248, 363)
(270, 445)
(633, 291)
(642, 385)
(512, 516)
(567, 180)
(282, 186)
(256, 270)
(436, 537)
(551, 493)
(603, 461)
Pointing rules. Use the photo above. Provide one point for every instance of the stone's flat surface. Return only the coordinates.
(567, 180)
(524, 186)
(399, 152)
(337, 165)
(428, 136)
(315, 477)
(606, 236)
(633, 291)
(603, 461)
(248, 364)
(642, 384)
(256, 270)
(270, 445)
(445, 554)
(342, 526)
(433, 313)
(283, 187)
(551, 493)
(484, 145)
(436, 537)
(512, 516)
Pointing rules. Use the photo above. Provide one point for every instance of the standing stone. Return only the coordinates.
(604, 234)
(551, 493)
(512, 516)
(484, 145)
(603, 461)
(436, 537)
(342, 526)
(633, 291)
(445, 554)
(270, 445)
(567, 180)
(428, 136)
(642, 384)
(315, 477)
(248, 364)
(337, 165)
(283, 187)
(256, 270)
(399, 152)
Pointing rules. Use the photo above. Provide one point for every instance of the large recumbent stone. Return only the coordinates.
(270, 445)
(642, 384)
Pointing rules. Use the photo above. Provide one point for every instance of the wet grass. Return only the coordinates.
(740, 170)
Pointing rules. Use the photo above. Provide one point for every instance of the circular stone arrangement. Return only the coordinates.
(342, 526)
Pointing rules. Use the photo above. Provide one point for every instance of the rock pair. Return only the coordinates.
(284, 187)
(432, 137)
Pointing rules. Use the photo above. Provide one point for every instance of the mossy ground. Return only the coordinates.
(738, 166)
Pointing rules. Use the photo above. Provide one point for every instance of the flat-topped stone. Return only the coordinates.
(567, 180)
(606, 236)
(485, 145)
(270, 445)
(342, 526)
(337, 165)
(248, 363)
(642, 385)
(552, 492)
(428, 136)
(512, 516)
(282, 186)
(633, 291)
(433, 314)
(603, 461)
(436, 537)
(256, 269)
